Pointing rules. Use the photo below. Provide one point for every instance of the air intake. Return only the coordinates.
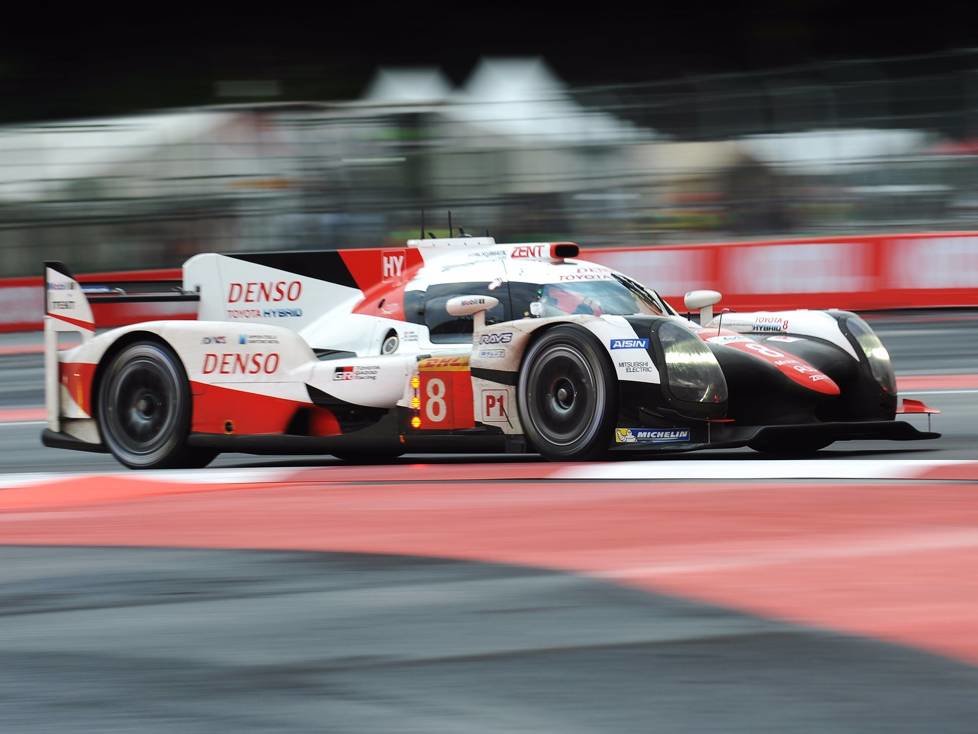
(560, 250)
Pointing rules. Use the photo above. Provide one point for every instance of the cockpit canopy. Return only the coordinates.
(528, 290)
(613, 296)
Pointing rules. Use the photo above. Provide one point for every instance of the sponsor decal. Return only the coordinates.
(504, 337)
(528, 251)
(474, 258)
(474, 301)
(651, 435)
(257, 339)
(444, 364)
(282, 313)
(759, 348)
(629, 344)
(269, 291)
(392, 264)
(793, 367)
(214, 340)
(725, 339)
(62, 305)
(495, 406)
(64, 286)
(587, 273)
(409, 336)
(356, 372)
(783, 339)
(635, 366)
(492, 353)
(490, 254)
(770, 323)
(227, 363)
(264, 313)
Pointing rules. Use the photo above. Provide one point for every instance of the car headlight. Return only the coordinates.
(876, 354)
(692, 372)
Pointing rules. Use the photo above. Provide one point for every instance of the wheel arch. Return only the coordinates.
(124, 340)
(587, 335)
(539, 333)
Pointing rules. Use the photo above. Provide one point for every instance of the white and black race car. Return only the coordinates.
(451, 345)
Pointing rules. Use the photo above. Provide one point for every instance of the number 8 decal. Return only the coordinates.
(435, 408)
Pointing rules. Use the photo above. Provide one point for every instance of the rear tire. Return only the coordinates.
(567, 395)
(144, 409)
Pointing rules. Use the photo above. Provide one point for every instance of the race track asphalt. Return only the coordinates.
(100, 640)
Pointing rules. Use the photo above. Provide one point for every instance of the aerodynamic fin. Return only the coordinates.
(66, 309)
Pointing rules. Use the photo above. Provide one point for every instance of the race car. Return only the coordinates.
(451, 345)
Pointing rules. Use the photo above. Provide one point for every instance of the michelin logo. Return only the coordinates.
(651, 435)
(629, 343)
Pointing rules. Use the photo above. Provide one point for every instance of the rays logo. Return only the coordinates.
(503, 338)
(629, 343)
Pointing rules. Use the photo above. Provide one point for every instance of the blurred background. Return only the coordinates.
(126, 146)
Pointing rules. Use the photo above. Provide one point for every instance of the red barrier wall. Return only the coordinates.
(861, 273)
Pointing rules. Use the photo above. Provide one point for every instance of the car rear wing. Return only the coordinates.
(68, 309)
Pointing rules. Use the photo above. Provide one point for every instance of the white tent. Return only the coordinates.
(421, 85)
(828, 151)
(174, 153)
(521, 100)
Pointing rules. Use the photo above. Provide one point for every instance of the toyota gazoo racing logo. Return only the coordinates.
(502, 338)
(356, 372)
(651, 435)
(630, 343)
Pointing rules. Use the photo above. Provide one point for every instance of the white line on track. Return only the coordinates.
(4, 424)
(655, 470)
(939, 392)
(754, 469)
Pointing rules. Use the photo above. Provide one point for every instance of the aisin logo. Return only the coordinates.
(629, 343)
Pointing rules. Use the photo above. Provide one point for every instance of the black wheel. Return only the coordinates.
(567, 395)
(144, 408)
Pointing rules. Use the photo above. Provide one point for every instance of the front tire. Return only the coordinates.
(144, 409)
(567, 395)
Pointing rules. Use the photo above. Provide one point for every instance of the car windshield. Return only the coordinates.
(618, 296)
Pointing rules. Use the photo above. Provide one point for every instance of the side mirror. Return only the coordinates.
(474, 306)
(702, 301)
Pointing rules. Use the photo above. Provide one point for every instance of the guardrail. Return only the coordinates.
(862, 273)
